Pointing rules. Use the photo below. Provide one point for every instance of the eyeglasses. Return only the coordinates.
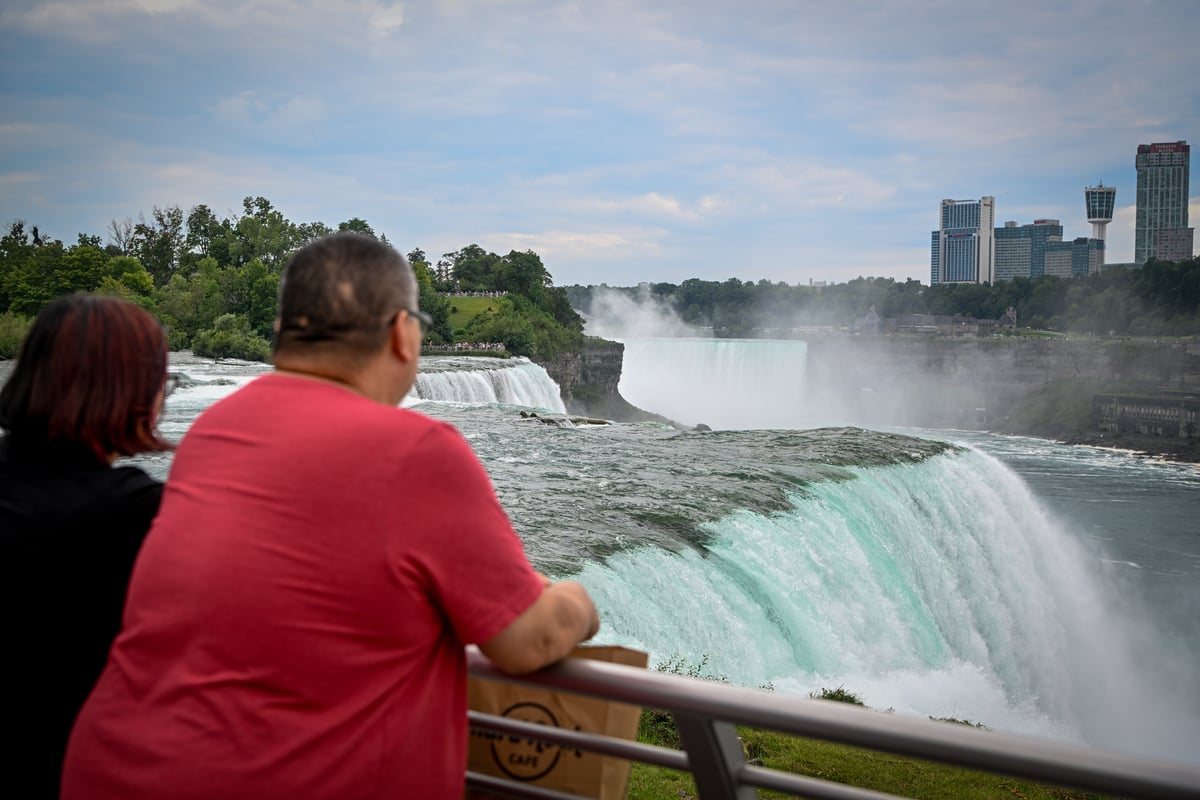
(423, 319)
(170, 384)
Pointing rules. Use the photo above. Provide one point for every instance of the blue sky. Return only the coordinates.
(621, 141)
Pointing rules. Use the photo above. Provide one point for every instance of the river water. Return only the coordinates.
(1021, 584)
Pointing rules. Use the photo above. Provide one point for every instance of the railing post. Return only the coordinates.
(715, 756)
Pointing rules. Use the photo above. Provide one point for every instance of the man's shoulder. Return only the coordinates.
(299, 400)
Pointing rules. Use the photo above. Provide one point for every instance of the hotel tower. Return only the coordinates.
(1162, 230)
(963, 249)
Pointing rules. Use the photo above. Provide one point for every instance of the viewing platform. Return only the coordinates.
(707, 712)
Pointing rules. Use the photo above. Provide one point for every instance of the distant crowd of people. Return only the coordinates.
(466, 346)
(478, 294)
(287, 615)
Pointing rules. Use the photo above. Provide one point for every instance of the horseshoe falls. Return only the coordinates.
(1017, 583)
(722, 383)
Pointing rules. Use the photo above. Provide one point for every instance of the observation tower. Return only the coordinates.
(1100, 201)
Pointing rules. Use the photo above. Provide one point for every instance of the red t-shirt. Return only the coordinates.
(297, 615)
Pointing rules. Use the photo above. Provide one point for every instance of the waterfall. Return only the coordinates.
(940, 588)
(460, 379)
(722, 383)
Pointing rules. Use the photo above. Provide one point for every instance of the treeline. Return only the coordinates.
(1162, 298)
(214, 282)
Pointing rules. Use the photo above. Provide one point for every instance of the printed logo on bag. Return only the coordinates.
(526, 759)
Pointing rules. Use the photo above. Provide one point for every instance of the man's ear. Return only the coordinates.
(398, 337)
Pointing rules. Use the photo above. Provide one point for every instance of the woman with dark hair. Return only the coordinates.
(88, 387)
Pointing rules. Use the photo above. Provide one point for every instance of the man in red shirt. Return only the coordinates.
(296, 619)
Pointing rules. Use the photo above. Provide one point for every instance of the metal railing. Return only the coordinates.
(707, 712)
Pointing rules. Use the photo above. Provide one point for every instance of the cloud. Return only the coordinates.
(386, 18)
(614, 138)
(811, 185)
(19, 178)
(653, 204)
(595, 245)
(294, 119)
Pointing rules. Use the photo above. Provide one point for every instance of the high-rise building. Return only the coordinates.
(1174, 244)
(1162, 230)
(1031, 251)
(1080, 256)
(963, 249)
(1100, 201)
(1021, 249)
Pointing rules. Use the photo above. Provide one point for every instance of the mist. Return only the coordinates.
(681, 372)
(617, 316)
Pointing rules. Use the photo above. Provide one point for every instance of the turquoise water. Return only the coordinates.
(1014, 582)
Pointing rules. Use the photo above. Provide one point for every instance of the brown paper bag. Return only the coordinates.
(549, 765)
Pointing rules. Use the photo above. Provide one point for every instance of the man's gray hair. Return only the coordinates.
(338, 294)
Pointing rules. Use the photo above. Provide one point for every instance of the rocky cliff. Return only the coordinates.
(938, 382)
(588, 382)
(921, 381)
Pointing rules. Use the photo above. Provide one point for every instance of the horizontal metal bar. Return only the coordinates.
(808, 788)
(508, 788)
(580, 740)
(1026, 757)
(760, 777)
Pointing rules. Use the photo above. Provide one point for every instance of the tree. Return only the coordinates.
(473, 269)
(35, 280)
(126, 277)
(85, 265)
(437, 306)
(121, 234)
(522, 273)
(231, 337)
(158, 244)
(189, 305)
(310, 232)
(207, 237)
(357, 226)
(262, 232)
(15, 249)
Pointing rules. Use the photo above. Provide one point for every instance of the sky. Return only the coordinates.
(621, 141)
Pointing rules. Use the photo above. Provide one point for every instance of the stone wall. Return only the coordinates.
(914, 380)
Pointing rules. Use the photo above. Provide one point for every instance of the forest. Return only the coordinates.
(214, 282)
(1162, 298)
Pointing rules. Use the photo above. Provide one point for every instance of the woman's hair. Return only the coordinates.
(87, 378)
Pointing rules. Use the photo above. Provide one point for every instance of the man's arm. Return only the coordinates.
(562, 617)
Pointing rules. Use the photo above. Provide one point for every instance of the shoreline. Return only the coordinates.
(1181, 451)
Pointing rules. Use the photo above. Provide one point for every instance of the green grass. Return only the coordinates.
(851, 766)
(465, 309)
